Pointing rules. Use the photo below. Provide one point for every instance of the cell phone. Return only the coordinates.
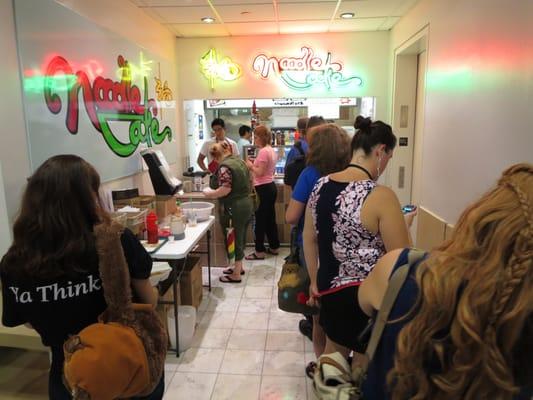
(408, 208)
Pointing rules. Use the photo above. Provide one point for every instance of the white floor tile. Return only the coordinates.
(310, 391)
(283, 321)
(281, 340)
(223, 305)
(189, 385)
(284, 363)
(267, 280)
(244, 320)
(254, 305)
(246, 339)
(226, 291)
(245, 362)
(201, 360)
(237, 387)
(217, 319)
(258, 292)
(211, 338)
(283, 387)
(172, 362)
(308, 345)
(168, 378)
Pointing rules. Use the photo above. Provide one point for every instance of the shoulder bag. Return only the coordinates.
(123, 354)
(334, 379)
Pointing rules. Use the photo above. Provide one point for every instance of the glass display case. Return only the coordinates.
(281, 150)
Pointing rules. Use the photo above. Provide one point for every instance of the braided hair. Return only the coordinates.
(470, 337)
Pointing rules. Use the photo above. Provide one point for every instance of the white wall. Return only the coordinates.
(479, 93)
(13, 147)
(119, 16)
(365, 54)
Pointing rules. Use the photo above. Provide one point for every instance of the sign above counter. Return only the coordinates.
(280, 103)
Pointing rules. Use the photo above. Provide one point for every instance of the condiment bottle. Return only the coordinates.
(151, 228)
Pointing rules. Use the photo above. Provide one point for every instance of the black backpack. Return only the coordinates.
(295, 167)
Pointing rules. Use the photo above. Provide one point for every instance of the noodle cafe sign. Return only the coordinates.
(107, 102)
(304, 71)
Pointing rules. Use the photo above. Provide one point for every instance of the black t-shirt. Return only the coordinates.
(64, 306)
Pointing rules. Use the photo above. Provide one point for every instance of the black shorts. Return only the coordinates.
(341, 317)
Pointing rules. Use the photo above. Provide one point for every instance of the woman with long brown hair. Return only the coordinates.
(462, 324)
(49, 275)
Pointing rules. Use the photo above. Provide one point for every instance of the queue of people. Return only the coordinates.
(461, 326)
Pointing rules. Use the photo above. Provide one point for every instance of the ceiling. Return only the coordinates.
(267, 17)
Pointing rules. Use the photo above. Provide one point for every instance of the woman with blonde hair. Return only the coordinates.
(262, 169)
(233, 189)
(462, 324)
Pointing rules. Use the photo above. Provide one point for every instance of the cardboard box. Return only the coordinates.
(164, 205)
(144, 202)
(191, 282)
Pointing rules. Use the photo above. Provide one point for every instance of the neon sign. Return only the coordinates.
(304, 72)
(106, 101)
(129, 71)
(34, 78)
(215, 68)
(163, 92)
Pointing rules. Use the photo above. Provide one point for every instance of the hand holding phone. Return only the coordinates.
(409, 208)
(409, 213)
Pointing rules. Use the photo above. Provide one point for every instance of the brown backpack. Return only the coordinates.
(122, 355)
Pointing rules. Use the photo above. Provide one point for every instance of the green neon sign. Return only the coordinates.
(305, 72)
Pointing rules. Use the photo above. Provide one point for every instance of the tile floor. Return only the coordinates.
(243, 348)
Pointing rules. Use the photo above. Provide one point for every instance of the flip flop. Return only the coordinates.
(229, 271)
(270, 251)
(228, 279)
(253, 256)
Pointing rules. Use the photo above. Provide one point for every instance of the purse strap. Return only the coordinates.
(114, 272)
(395, 284)
(293, 255)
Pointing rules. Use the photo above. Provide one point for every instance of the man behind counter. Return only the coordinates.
(219, 129)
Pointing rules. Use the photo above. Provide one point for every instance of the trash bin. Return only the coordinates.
(186, 325)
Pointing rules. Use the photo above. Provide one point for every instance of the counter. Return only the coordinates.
(218, 249)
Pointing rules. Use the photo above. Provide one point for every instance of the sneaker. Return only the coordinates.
(306, 328)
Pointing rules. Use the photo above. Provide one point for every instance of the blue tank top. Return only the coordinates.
(375, 384)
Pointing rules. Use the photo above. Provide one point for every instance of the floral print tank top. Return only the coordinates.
(347, 251)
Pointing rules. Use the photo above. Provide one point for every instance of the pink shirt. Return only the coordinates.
(266, 157)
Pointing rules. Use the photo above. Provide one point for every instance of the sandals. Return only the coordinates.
(229, 271)
(310, 369)
(270, 251)
(253, 257)
(229, 279)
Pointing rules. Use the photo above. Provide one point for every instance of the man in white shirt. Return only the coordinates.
(245, 133)
(219, 129)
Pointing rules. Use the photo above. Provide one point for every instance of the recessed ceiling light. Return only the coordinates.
(208, 20)
(347, 15)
